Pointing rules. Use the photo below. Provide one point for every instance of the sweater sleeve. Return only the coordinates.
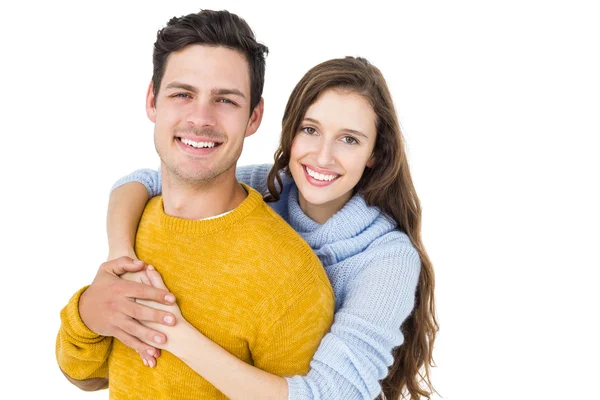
(82, 355)
(254, 176)
(356, 354)
(286, 344)
(150, 178)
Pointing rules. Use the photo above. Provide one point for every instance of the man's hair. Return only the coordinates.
(211, 28)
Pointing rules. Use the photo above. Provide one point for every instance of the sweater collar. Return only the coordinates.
(348, 223)
(211, 225)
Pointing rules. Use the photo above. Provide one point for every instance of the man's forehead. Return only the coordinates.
(208, 68)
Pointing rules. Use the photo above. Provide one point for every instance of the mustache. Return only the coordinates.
(208, 133)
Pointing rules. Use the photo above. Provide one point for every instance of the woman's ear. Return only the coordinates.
(371, 161)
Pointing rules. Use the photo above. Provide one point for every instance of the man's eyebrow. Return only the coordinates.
(350, 131)
(180, 85)
(224, 92)
(214, 92)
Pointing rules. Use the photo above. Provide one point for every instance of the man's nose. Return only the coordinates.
(202, 113)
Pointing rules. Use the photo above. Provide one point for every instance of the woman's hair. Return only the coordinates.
(387, 185)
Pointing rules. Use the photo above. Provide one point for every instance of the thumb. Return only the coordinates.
(123, 264)
(155, 278)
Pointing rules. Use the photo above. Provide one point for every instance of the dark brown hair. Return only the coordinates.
(211, 28)
(387, 185)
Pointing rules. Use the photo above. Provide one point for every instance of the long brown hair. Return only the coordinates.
(387, 185)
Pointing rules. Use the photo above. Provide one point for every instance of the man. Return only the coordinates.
(242, 276)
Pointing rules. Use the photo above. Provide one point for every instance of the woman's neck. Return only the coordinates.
(320, 213)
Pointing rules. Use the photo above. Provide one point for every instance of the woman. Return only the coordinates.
(341, 179)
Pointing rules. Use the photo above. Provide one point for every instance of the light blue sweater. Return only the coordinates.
(373, 269)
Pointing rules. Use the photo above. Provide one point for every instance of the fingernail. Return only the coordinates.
(150, 267)
(151, 362)
(169, 319)
(150, 352)
(170, 298)
(145, 362)
(158, 339)
(138, 262)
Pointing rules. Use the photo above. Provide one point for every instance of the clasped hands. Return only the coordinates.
(137, 309)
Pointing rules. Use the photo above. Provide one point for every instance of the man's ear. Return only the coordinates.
(255, 118)
(150, 103)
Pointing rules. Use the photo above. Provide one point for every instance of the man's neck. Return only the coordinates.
(199, 201)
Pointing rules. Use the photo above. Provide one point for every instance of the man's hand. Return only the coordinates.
(109, 308)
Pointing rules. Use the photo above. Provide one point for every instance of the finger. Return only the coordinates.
(140, 332)
(155, 278)
(149, 361)
(146, 292)
(123, 264)
(137, 290)
(143, 310)
(145, 279)
(136, 344)
(130, 266)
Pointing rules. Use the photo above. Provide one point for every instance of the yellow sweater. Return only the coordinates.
(246, 280)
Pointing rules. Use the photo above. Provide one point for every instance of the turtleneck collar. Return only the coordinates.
(347, 232)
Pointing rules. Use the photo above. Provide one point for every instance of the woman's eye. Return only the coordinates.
(349, 140)
(309, 130)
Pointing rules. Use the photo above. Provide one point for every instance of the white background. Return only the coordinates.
(499, 103)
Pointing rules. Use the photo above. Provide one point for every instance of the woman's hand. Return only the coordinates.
(142, 277)
(175, 333)
(155, 279)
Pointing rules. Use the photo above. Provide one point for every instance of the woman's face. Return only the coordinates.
(331, 149)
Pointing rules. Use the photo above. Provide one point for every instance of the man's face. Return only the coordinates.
(201, 113)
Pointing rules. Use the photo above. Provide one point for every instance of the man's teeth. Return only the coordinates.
(198, 145)
(320, 177)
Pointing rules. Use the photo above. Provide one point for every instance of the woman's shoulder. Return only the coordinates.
(396, 246)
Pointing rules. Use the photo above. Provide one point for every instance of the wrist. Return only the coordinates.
(184, 336)
(81, 309)
(127, 251)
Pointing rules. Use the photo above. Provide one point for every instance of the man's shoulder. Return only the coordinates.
(275, 229)
(281, 246)
(152, 209)
(153, 204)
